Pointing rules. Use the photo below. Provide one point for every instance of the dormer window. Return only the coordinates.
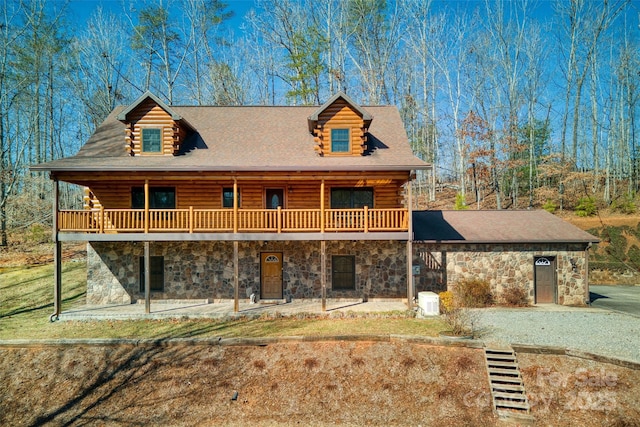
(339, 127)
(153, 128)
(340, 141)
(151, 140)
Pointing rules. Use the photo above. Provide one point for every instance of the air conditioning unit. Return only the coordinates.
(428, 304)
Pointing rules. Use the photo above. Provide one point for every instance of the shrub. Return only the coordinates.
(461, 203)
(625, 206)
(38, 233)
(515, 296)
(462, 321)
(446, 301)
(634, 255)
(473, 293)
(549, 206)
(586, 207)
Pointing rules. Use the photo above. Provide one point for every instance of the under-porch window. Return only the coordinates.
(156, 265)
(343, 272)
(151, 140)
(351, 198)
(159, 198)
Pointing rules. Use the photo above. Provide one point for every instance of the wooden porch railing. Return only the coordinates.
(222, 220)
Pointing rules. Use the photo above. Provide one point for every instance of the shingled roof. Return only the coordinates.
(251, 138)
(498, 226)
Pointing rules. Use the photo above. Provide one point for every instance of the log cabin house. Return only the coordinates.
(223, 203)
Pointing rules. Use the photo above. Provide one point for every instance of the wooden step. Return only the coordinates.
(507, 387)
(498, 353)
(506, 381)
(505, 364)
(516, 417)
(500, 357)
(512, 405)
(507, 396)
(503, 371)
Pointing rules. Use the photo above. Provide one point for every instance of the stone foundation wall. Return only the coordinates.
(204, 270)
(443, 265)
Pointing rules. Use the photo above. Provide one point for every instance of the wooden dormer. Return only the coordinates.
(152, 128)
(340, 127)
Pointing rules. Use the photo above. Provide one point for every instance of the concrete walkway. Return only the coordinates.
(220, 310)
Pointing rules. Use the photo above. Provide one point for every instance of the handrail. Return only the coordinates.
(222, 220)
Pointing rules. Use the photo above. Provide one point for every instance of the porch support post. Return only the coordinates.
(146, 205)
(235, 206)
(236, 284)
(147, 278)
(323, 273)
(410, 289)
(57, 257)
(322, 206)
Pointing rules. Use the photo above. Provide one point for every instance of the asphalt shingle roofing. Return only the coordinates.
(246, 139)
(499, 226)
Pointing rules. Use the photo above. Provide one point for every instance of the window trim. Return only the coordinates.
(336, 284)
(348, 141)
(142, 146)
(152, 259)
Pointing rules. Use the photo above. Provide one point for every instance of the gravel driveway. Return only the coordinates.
(586, 329)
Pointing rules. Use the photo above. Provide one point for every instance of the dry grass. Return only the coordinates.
(566, 391)
(322, 383)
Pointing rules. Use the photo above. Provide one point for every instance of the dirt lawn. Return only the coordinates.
(297, 383)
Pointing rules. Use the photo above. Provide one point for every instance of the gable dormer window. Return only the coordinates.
(151, 140)
(340, 141)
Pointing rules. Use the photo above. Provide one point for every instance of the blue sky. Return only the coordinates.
(81, 10)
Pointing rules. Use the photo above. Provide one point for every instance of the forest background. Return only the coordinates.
(517, 104)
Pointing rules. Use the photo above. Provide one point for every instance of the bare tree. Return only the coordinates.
(585, 23)
(376, 31)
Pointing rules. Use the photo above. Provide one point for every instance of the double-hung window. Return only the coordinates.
(151, 140)
(227, 197)
(340, 140)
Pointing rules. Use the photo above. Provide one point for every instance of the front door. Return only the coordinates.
(271, 275)
(545, 279)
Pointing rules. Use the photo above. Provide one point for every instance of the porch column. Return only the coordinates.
(322, 206)
(235, 205)
(57, 257)
(409, 248)
(147, 278)
(146, 205)
(236, 287)
(323, 273)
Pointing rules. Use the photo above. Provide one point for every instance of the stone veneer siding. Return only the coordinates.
(204, 270)
(443, 265)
